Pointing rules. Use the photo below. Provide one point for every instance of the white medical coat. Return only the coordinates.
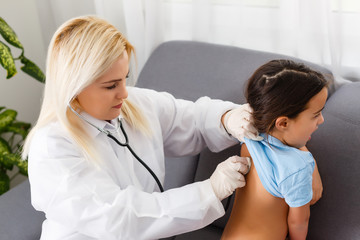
(119, 199)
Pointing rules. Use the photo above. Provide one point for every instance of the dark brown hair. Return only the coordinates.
(281, 88)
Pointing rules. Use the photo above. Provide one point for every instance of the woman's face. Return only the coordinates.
(299, 129)
(103, 98)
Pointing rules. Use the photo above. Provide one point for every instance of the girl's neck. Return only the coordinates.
(280, 136)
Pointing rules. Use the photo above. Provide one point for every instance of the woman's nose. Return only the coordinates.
(122, 92)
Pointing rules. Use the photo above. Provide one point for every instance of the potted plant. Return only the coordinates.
(12, 131)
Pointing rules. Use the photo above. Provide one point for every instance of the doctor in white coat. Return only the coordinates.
(90, 187)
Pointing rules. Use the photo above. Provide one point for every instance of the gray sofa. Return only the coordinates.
(189, 70)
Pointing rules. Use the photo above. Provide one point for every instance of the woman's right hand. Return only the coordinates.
(239, 123)
(228, 176)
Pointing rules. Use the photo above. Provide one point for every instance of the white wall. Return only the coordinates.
(55, 12)
(23, 93)
(35, 21)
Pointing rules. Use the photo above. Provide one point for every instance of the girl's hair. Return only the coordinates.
(81, 50)
(281, 88)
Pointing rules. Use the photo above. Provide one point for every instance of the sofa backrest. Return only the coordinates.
(189, 70)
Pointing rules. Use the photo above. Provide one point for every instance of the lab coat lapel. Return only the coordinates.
(118, 172)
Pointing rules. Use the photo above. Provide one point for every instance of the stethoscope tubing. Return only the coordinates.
(126, 144)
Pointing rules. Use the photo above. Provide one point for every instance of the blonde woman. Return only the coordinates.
(87, 179)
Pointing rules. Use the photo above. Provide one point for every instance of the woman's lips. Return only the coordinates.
(118, 106)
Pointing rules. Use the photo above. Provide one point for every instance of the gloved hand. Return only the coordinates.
(228, 176)
(238, 123)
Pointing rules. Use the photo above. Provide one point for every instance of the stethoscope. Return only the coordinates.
(125, 144)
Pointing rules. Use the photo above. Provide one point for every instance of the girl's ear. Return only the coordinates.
(282, 123)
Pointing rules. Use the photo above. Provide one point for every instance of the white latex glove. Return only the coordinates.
(238, 122)
(228, 176)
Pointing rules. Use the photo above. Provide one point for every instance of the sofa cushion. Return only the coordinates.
(180, 171)
(335, 146)
(19, 220)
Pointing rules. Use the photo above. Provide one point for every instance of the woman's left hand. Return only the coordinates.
(317, 186)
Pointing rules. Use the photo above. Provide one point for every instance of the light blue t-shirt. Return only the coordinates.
(284, 171)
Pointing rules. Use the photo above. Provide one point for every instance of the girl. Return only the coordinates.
(287, 99)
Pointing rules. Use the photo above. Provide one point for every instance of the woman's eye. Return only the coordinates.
(112, 86)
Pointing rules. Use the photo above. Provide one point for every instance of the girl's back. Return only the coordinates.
(256, 214)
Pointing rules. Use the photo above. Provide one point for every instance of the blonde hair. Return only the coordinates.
(81, 50)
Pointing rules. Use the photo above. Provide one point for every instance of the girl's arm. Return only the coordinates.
(316, 185)
(298, 220)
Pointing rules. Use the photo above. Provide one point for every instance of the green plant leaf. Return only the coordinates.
(20, 128)
(9, 35)
(22, 125)
(4, 182)
(32, 69)
(6, 118)
(5, 149)
(15, 159)
(6, 162)
(7, 60)
(20, 163)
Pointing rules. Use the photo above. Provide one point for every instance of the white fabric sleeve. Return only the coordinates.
(83, 197)
(188, 127)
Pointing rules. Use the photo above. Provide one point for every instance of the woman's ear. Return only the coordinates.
(282, 123)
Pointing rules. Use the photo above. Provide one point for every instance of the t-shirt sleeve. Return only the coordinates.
(297, 188)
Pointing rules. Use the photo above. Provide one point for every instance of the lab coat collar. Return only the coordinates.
(93, 132)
